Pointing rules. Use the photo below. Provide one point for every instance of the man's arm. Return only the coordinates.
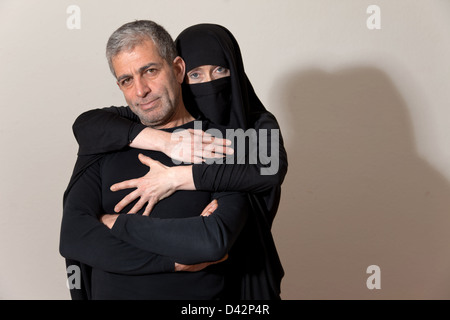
(87, 240)
(188, 240)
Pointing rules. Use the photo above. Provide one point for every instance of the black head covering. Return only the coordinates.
(227, 101)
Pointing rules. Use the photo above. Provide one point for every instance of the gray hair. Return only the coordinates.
(135, 33)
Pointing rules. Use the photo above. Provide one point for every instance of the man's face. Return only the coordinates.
(151, 86)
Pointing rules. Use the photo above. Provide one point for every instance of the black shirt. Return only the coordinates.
(135, 260)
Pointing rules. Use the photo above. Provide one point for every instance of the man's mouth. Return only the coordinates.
(146, 105)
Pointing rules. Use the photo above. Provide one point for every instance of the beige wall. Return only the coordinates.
(364, 113)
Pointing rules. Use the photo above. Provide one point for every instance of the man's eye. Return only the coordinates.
(125, 82)
(151, 72)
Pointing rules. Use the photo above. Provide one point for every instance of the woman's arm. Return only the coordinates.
(104, 130)
(268, 171)
(111, 129)
(162, 181)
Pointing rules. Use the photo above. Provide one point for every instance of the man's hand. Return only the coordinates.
(195, 146)
(156, 185)
(210, 208)
(197, 267)
(109, 219)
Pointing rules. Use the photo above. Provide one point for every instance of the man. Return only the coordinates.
(138, 258)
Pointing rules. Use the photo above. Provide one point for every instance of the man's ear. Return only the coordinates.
(120, 87)
(179, 68)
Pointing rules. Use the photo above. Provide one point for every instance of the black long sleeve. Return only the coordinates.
(249, 176)
(189, 240)
(85, 239)
(104, 130)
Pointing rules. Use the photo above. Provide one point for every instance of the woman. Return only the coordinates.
(216, 88)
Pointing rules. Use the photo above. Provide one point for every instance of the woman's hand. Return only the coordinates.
(195, 146)
(184, 146)
(156, 185)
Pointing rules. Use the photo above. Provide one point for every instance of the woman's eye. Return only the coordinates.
(222, 71)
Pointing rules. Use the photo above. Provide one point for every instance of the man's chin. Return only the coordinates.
(150, 119)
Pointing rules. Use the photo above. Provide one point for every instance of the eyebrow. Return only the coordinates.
(140, 70)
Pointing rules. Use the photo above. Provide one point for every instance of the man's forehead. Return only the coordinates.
(143, 49)
(137, 57)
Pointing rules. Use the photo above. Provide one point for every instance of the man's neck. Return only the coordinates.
(178, 118)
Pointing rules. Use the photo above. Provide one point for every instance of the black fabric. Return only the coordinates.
(135, 260)
(213, 97)
(89, 126)
(202, 45)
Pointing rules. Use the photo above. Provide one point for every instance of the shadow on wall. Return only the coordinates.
(357, 193)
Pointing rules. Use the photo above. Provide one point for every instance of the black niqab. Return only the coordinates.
(211, 44)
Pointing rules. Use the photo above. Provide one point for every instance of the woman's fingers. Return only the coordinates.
(128, 184)
(191, 144)
(127, 200)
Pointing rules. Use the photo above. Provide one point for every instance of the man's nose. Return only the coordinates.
(142, 88)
